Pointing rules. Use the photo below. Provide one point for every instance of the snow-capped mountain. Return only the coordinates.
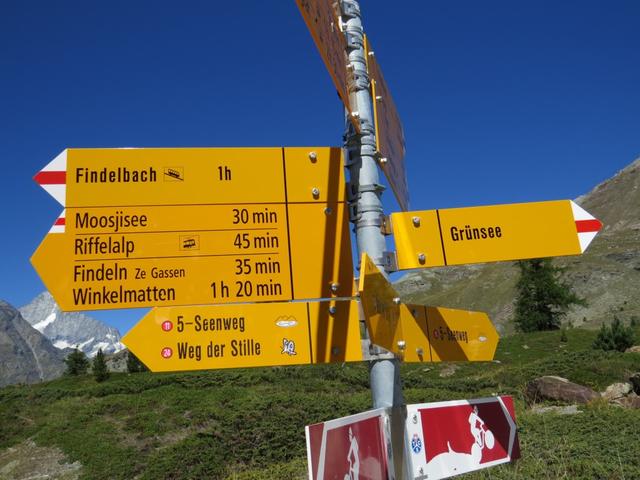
(70, 329)
(26, 356)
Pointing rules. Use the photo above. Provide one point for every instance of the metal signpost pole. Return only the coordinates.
(365, 190)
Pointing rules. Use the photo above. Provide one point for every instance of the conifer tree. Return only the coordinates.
(134, 365)
(77, 363)
(99, 367)
(543, 298)
(614, 337)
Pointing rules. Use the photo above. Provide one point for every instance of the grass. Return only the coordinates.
(248, 424)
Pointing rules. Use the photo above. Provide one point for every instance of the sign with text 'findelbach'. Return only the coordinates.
(99, 177)
(446, 439)
(422, 334)
(197, 246)
(389, 132)
(353, 447)
(323, 22)
(494, 233)
(246, 335)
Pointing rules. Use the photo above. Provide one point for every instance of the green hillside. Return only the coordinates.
(249, 424)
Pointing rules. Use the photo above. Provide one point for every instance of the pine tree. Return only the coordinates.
(604, 340)
(134, 365)
(614, 337)
(99, 367)
(543, 299)
(77, 363)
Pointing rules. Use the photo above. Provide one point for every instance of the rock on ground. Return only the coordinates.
(558, 388)
(568, 410)
(616, 391)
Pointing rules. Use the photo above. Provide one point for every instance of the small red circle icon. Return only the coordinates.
(167, 326)
(166, 352)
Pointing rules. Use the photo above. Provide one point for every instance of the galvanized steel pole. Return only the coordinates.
(366, 190)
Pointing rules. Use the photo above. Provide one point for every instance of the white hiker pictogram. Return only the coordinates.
(353, 458)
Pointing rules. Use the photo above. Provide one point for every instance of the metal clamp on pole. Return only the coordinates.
(390, 261)
(349, 9)
(376, 187)
(353, 41)
(368, 223)
(385, 225)
(353, 212)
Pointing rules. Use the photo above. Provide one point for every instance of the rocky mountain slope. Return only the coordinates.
(607, 274)
(70, 329)
(26, 356)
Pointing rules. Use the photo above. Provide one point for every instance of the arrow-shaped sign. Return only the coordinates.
(457, 236)
(165, 227)
(322, 19)
(128, 257)
(422, 334)
(459, 436)
(389, 133)
(98, 177)
(247, 335)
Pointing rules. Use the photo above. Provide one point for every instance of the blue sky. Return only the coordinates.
(501, 101)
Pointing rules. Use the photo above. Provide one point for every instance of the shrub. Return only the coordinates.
(614, 337)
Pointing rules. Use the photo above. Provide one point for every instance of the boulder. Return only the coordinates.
(559, 389)
(616, 391)
(630, 401)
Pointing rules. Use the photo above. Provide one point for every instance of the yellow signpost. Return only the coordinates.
(126, 257)
(248, 335)
(422, 334)
(194, 176)
(224, 239)
(322, 21)
(245, 253)
(381, 306)
(493, 233)
(389, 133)
(458, 335)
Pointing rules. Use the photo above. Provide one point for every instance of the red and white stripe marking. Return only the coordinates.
(53, 177)
(587, 225)
(58, 226)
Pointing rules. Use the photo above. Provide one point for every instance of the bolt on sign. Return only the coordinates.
(323, 21)
(422, 334)
(389, 133)
(445, 439)
(457, 236)
(353, 447)
(246, 335)
(166, 227)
